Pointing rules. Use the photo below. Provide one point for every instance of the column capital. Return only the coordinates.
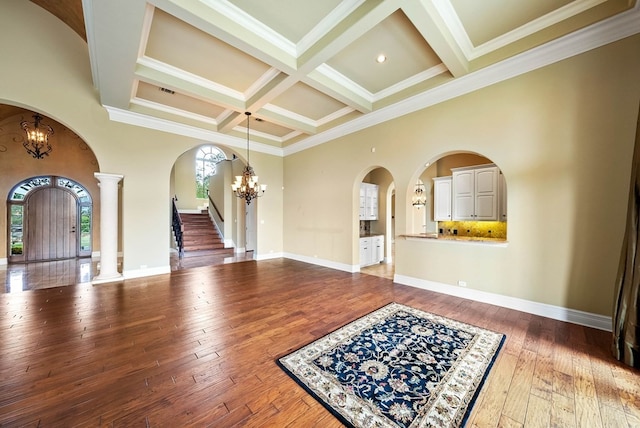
(103, 176)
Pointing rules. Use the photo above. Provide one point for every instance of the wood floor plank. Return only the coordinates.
(198, 347)
(563, 413)
(587, 409)
(538, 412)
(515, 405)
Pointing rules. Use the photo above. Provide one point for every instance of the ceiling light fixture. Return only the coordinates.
(37, 137)
(246, 185)
(381, 58)
(419, 195)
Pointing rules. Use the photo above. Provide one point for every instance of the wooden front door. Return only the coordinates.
(51, 225)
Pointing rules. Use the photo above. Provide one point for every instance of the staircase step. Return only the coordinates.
(199, 247)
(199, 231)
(199, 234)
(201, 240)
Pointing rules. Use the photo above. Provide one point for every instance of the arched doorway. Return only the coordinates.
(376, 220)
(50, 219)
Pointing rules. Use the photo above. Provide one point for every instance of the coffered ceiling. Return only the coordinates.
(307, 69)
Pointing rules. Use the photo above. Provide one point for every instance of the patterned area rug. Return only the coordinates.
(397, 367)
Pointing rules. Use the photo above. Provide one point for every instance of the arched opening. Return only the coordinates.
(200, 189)
(376, 223)
(465, 198)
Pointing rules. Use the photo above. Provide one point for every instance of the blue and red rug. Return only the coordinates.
(397, 367)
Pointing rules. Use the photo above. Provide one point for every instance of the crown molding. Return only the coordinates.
(211, 137)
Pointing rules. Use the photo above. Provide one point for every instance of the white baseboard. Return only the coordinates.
(239, 250)
(267, 256)
(321, 262)
(139, 273)
(228, 243)
(574, 316)
(4, 262)
(190, 211)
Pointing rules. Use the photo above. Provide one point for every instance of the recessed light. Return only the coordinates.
(381, 58)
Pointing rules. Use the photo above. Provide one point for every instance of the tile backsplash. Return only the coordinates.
(480, 229)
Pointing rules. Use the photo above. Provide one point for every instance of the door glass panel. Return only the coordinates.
(16, 228)
(85, 228)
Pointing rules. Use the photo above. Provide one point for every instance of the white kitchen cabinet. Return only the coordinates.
(368, 201)
(377, 244)
(365, 251)
(442, 199)
(371, 250)
(475, 193)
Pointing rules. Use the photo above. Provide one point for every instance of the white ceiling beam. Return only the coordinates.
(425, 17)
(113, 54)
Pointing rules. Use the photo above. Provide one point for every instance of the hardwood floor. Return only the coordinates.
(18, 277)
(197, 348)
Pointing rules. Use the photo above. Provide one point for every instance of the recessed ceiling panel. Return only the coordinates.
(407, 55)
(181, 45)
(269, 128)
(292, 19)
(176, 100)
(487, 19)
(303, 100)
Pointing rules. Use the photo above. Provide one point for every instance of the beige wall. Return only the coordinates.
(144, 156)
(563, 137)
(184, 180)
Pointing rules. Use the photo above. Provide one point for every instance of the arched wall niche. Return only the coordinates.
(421, 219)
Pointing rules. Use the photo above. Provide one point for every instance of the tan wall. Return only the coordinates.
(562, 135)
(184, 180)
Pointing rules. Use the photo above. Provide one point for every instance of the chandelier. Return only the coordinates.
(419, 195)
(37, 137)
(246, 185)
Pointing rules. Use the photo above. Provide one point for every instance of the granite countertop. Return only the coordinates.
(455, 238)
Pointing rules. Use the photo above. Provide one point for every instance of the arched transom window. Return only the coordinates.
(206, 160)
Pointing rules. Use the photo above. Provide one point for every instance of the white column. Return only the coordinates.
(108, 228)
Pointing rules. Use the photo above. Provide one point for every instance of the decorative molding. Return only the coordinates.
(574, 316)
(192, 78)
(145, 121)
(152, 105)
(249, 23)
(322, 262)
